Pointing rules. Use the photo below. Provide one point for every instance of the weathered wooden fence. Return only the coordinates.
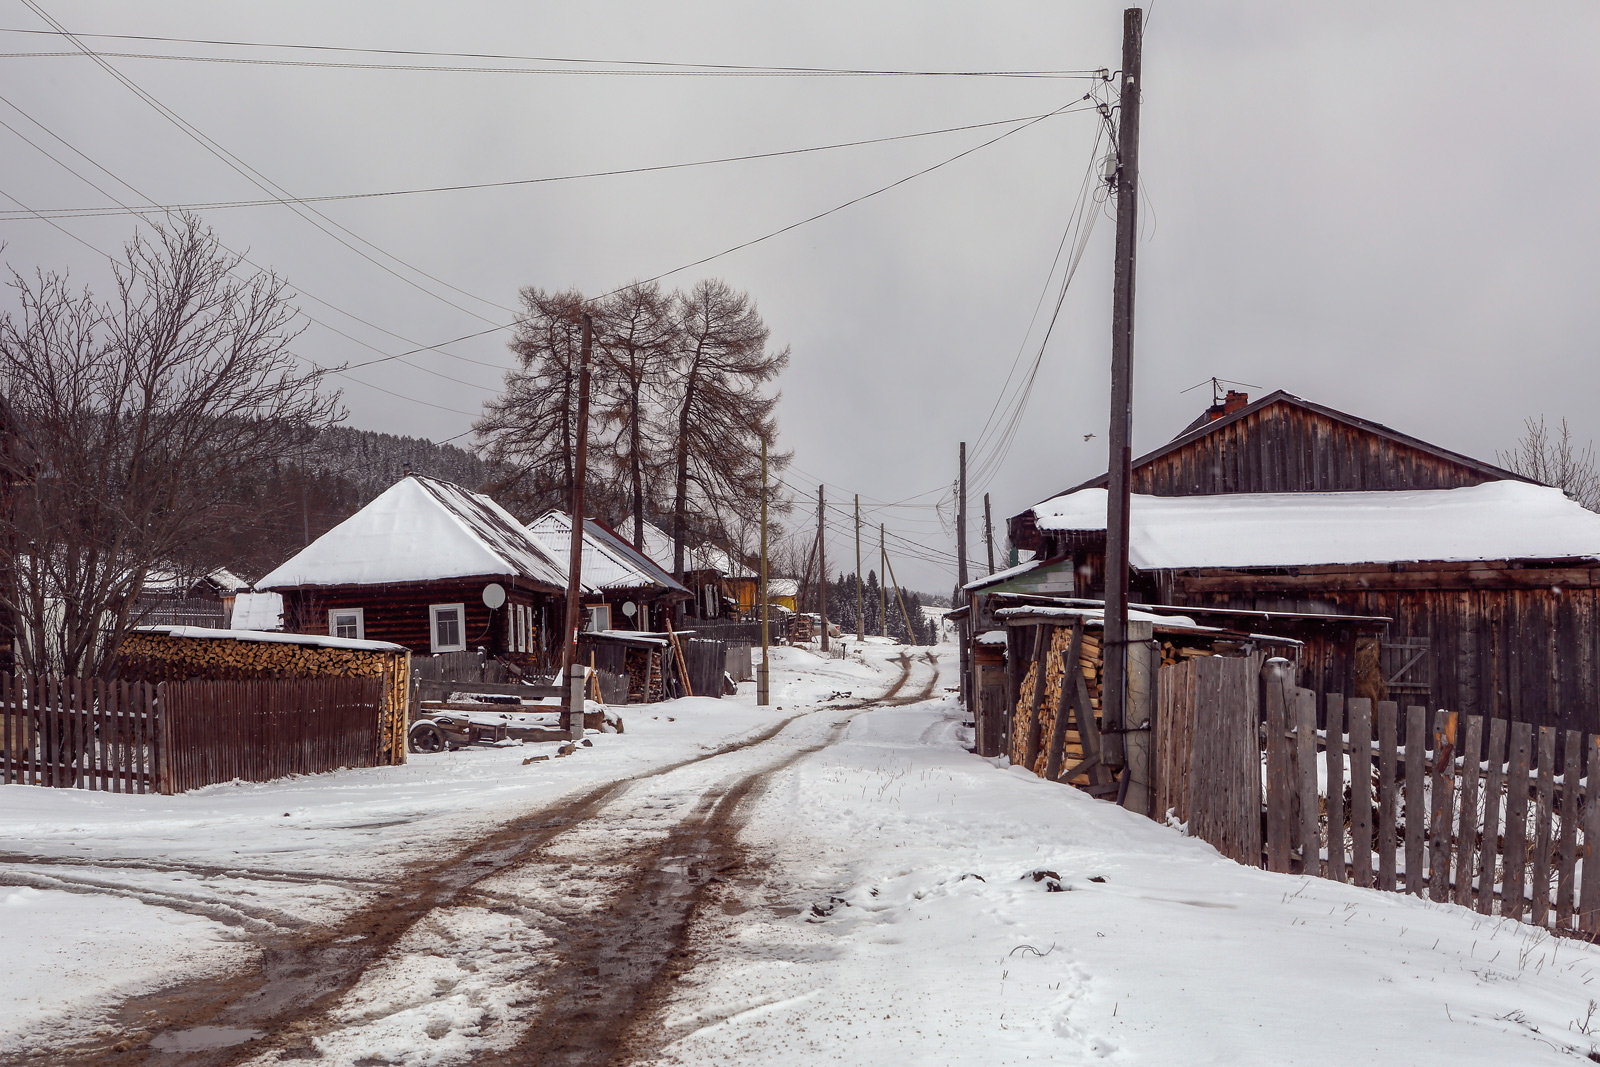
(219, 731)
(1207, 752)
(707, 660)
(141, 738)
(77, 732)
(1489, 814)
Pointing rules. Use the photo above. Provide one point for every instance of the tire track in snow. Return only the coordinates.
(303, 976)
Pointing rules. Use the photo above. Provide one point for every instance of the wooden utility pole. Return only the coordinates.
(911, 631)
(572, 716)
(861, 622)
(988, 531)
(883, 585)
(961, 523)
(761, 592)
(822, 563)
(1114, 696)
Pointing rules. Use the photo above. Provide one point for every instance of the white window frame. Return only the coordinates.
(593, 613)
(433, 627)
(361, 621)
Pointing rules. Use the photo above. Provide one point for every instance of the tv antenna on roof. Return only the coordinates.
(1216, 387)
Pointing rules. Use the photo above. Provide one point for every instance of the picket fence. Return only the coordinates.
(1488, 814)
(136, 737)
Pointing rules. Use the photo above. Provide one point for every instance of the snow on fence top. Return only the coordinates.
(421, 529)
(1493, 521)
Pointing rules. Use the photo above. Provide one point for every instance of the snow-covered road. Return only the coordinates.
(829, 882)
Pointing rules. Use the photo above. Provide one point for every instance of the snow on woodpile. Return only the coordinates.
(420, 529)
(1493, 521)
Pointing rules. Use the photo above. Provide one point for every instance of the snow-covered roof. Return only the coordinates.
(783, 587)
(421, 529)
(703, 557)
(258, 611)
(991, 637)
(608, 561)
(273, 638)
(224, 581)
(1095, 618)
(1492, 521)
(1001, 576)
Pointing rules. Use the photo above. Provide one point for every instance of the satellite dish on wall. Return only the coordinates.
(630, 609)
(494, 595)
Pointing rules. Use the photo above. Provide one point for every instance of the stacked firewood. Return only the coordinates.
(644, 676)
(1172, 653)
(1090, 663)
(160, 657)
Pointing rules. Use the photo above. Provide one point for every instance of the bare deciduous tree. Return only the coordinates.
(636, 333)
(1554, 459)
(720, 410)
(149, 416)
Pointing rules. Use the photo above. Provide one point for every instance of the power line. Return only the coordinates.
(98, 211)
(265, 184)
(644, 66)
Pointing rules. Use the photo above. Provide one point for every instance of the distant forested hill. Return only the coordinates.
(308, 494)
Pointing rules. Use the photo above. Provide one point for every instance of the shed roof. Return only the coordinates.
(609, 562)
(421, 529)
(703, 557)
(1493, 521)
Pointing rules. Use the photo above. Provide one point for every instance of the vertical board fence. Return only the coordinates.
(217, 731)
(79, 732)
(1488, 814)
(707, 660)
(136, 737)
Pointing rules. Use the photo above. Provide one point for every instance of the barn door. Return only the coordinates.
(1407, 664)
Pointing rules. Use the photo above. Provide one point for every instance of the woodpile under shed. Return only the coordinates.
(182, 653)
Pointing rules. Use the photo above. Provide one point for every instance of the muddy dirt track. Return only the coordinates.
(604, 892)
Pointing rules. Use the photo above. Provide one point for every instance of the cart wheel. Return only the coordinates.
(426, 737)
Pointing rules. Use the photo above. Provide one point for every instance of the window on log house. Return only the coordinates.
(448, 629)
(347, 622)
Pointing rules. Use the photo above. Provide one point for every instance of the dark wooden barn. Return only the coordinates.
(431, 566)
(1491, 582)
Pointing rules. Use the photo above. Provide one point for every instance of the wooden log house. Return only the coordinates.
(433, 567)
(623, 589)
(1491, 582)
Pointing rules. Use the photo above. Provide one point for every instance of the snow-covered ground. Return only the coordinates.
(892, 907)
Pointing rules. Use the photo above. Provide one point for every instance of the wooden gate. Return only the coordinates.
(1208, 759)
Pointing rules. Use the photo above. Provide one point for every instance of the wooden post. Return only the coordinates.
(1567, 846)
(1489, 855)
(1138, 740)
(1514, 882)
(961, 523)
(1305, 761)
(1388, 810)
(1589, 891)
(1542, 817)
(1361, 791)
(883, 588)
(1443, 799)
(1467, 821)
(1276, 685)
(1416, 808)
(572, 714)
(1120, 461)
(1334, 868)
(988, 531)
(861, 622)
(822, 563)
(911, 632)
(763, 676)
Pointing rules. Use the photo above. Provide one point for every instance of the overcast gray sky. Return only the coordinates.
(1389, 208)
